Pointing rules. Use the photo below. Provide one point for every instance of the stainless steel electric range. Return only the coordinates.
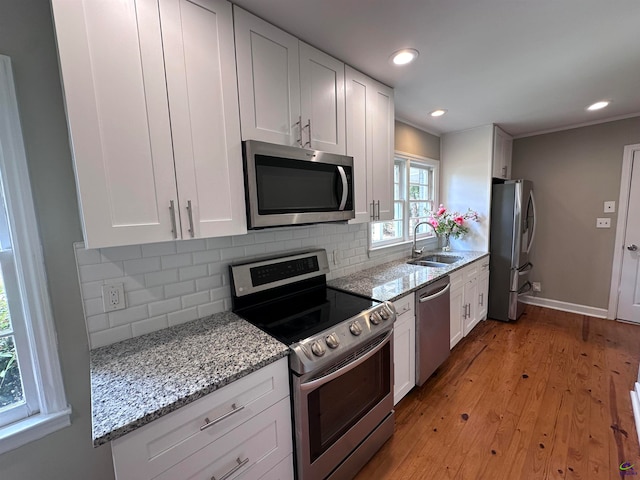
(341, 360)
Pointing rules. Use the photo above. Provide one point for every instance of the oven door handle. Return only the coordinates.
(326, 379)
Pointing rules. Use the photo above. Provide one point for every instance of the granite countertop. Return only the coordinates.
(393, 280)
(139, 380)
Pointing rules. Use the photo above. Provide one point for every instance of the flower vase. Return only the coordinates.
(446, 246)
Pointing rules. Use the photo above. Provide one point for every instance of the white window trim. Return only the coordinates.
(54, 413)
(408, 238)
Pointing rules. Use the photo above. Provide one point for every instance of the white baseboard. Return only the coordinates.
(635, 403)
(565, 306)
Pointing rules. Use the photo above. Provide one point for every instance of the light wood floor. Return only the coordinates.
(544, 397)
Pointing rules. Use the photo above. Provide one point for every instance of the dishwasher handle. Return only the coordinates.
(426, 298)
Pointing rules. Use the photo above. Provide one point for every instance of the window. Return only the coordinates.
(32, 401)
(415, 188)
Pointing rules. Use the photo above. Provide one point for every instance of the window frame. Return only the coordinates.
(407, 159)
(46, 405)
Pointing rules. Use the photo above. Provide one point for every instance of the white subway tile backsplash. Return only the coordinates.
(179, 289)
(142, 297)
(195, 299)
(100, 271)
(176, 261)
(128, 315)
(197, 245)
(109, 336)
(208, 256)
(196, 271)
(149, 325)
(158, 249)
(117, 254)
(141, 265)
(164, 277)
(174, 282)
(164, 306)
(183, 316)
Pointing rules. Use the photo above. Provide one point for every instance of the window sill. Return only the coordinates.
(32, 428)
(405, 243)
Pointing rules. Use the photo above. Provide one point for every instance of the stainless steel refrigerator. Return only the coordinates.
(513, 227)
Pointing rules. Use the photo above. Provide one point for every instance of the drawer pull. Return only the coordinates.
(209, 423)
(241, 463)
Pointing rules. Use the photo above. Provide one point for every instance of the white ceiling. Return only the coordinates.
(526, 65)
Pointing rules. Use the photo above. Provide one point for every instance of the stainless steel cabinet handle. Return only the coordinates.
(464, 311)
(172, 212)
(190, 212)
(504, 171)
(373, 210)
(210, 423)
(299, 124)
(632, 248)
(378, 214)
(482, 299)
(241, 463)
(308, 125)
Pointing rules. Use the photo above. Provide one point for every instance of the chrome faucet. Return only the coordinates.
(415, 252)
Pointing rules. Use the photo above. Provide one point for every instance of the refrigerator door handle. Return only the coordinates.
(535, 221)
(526, 288)
(526, 268)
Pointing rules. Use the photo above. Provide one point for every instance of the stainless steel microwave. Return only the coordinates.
(294, 186)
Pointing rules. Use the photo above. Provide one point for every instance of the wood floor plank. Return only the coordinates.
(552, 378)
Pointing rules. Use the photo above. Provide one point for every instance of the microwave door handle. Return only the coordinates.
(345, 187)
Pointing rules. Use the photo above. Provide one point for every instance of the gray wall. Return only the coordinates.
(574, 172)
(409, 139)
(26, 35)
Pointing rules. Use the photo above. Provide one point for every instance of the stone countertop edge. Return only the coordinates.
(139, 380)
(393, 280)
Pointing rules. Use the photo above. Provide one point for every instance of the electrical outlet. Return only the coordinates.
(603, 223)
(536, 286)
(337, 257)
(610, 207)
(113, 297)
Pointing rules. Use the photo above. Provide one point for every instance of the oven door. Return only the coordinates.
(337, 409)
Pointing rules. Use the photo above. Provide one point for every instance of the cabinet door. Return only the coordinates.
(483, 295)
(205, 124)
(359, 144)
(268, 81)
(370, 130)
(404, 356)
(502, 146)
(457, 311)
(322, 100)
(471, 302)
(113, 75)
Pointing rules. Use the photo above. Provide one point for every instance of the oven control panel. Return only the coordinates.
(341, 340)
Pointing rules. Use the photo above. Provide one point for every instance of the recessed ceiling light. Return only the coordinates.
(438, 113)
(402, 57)
(598, 105)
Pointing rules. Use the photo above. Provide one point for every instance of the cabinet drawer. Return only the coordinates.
(249, 451)
(282, 471)
(405, 306)
(484, 265)
(152, 449)
(456, 278)
(471, 271)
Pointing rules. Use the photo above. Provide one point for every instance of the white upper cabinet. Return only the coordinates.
(502, 146)
(370, 141)
(124, 106)
(290, 93)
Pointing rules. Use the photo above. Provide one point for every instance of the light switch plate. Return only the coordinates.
(603, 223)
(610, 206)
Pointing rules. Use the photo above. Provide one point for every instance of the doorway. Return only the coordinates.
(624, 299)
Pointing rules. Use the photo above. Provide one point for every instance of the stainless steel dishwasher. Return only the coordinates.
(432, 328)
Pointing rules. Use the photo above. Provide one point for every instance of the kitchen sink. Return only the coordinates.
(437, 261)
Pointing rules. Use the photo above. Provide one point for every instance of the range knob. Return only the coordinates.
(355, 328)
(333, 340)
(375, 318)
(317, 348)
(384, 314)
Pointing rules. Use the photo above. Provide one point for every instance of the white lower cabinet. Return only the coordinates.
(242, 430)
(404, 348)
(468, 297)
